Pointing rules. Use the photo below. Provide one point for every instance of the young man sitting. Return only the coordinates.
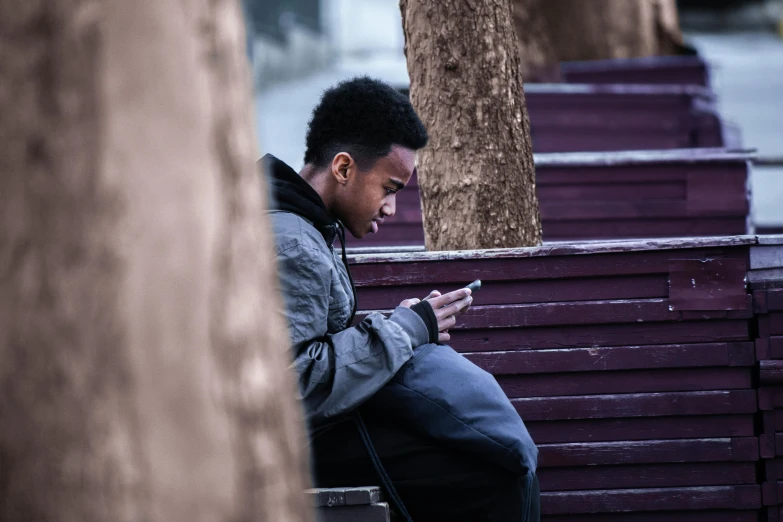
(360, 151)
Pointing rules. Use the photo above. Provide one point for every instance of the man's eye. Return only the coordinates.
(389, 191)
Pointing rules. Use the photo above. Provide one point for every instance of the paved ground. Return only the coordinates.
(747, 76)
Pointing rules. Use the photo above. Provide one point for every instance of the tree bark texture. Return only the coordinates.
(553, 31)
(143, 362)
(476, 175)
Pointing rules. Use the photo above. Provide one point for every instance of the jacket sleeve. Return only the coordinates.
(338, 372)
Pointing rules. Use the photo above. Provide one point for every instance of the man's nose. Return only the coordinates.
(389, 207)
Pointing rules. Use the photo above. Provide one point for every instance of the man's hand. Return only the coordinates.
(446, 308)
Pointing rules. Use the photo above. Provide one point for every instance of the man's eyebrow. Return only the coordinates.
(399, 185)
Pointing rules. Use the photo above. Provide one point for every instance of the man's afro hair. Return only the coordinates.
(363, 117)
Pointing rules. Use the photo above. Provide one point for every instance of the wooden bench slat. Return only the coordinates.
(649, 475)
(584, 336)
(584, 312)
(667, 516)
(641, 428)
(636, 405)
(712, 497)
(740, 449)
(530, 291)
(439, 268)
(617, 382)
(614, 358)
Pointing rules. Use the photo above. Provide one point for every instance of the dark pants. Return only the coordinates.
(434, 482)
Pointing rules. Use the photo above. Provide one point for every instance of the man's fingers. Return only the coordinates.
(454, 308)
(432, 295)
(446, 299)
(443, 337)
(447, 323)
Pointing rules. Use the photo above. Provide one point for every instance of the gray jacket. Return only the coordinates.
(339, 366)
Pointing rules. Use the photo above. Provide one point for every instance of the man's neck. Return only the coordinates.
(319, 180)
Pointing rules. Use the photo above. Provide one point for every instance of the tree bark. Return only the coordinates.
(554, 31)
(144, 365)
(476, 176)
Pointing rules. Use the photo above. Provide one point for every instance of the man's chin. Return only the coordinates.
(357, 235)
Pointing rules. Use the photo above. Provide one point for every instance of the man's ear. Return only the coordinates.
(343, 167)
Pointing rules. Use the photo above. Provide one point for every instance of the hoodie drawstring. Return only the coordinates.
(341, 235)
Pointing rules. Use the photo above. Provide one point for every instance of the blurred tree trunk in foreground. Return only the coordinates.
(554, 31)
(142, 359)
(476, 175)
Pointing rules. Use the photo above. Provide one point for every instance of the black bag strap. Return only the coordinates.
(378, 465)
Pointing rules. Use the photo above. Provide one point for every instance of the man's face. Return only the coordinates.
(367, 197)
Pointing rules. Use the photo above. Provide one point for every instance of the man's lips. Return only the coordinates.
(375, 224)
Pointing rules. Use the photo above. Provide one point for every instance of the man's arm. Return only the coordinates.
(338, 372)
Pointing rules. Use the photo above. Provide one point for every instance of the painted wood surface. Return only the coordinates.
(620, 500)
(716, 402)
(658, 516)
(666, 70)
(641, 428)
(648, 475)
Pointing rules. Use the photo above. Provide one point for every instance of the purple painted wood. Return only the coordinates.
(771, 372)
(772, 421)
(767, 445)
(499, 339)
(647, 228)
(773, 468)
(668, 70)
(636, 405)
(633, 381)
(770, 397)
(648, 452)
(775, 299)
(543, 291)
(574, 313)
(770, 324)
(775, 343)
(641, 428)
(760, 302)
(437, 268)
(728, 515)
(715, 284)
(772, 492)
(650, 475)
(621, 500)
(615, 358)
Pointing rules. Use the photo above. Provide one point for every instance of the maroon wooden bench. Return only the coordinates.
(679, 70)
(766, 283)
(586, 196)
(585, 117)
(632, 364)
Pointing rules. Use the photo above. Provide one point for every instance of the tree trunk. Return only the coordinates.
(554, 31)
(476, 175)
(143, 363)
